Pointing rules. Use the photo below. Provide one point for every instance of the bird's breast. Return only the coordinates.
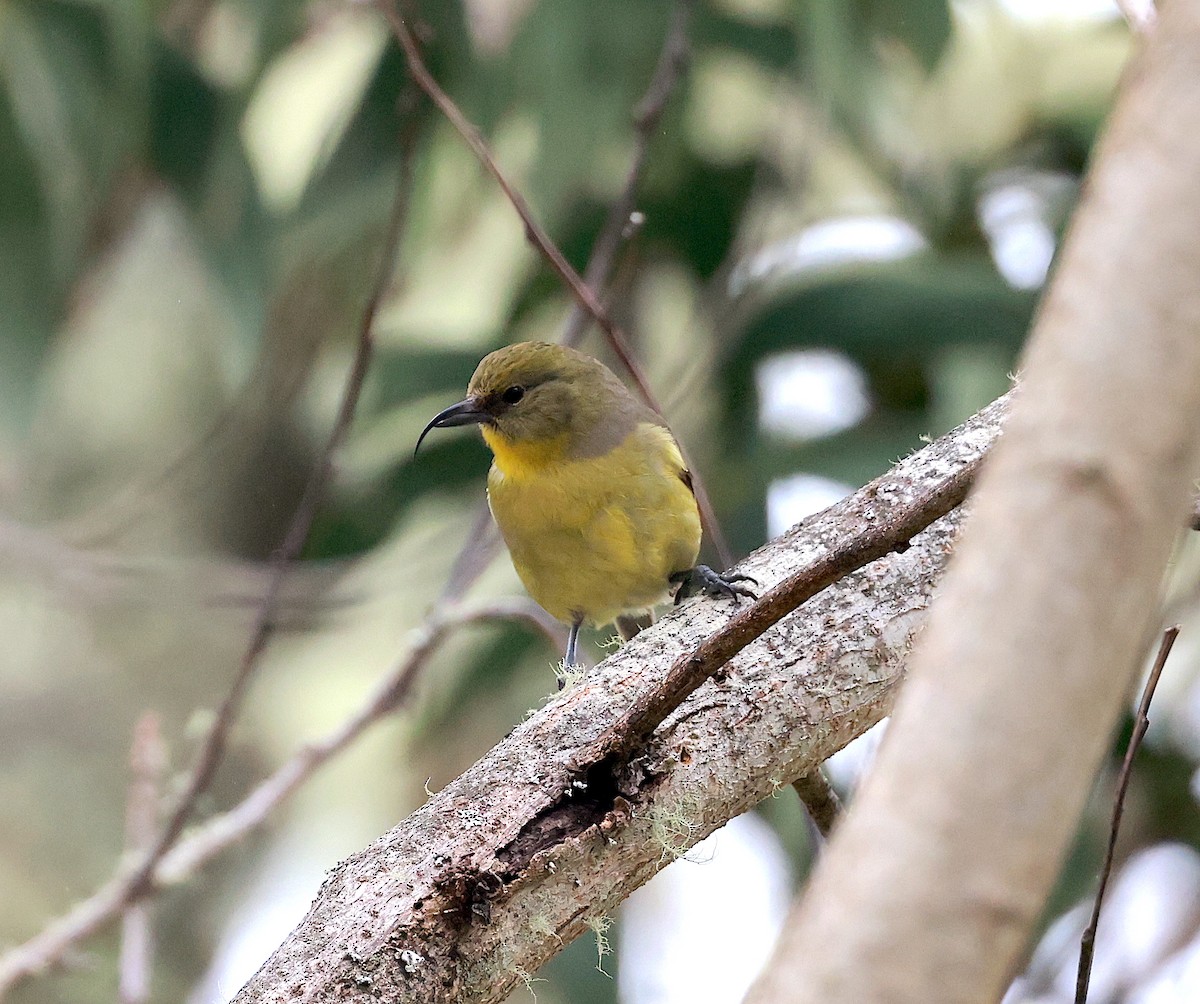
(596, 535)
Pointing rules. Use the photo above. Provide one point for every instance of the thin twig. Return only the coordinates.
(1141, 722)
(646, 117)
(543, 243)
(136, 880)
(220, 832)
(147, 761)
(534, 231)
(214, 745)
(820, 800)
(481, 546)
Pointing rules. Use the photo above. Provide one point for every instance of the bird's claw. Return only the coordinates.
(703, 579)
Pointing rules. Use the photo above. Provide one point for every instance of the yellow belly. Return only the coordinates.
(598, 536)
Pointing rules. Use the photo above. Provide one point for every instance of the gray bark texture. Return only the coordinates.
(495, 873)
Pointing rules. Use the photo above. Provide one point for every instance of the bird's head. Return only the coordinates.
(538, 395)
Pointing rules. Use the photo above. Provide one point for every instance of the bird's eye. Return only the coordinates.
(512, 395)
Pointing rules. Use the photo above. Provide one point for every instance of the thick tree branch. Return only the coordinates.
(564, 818)
(929, 891)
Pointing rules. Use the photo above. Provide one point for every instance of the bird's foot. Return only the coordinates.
(703, 579)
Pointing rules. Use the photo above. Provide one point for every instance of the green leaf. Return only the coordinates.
(922, 26)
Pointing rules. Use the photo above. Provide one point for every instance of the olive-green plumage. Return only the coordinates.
(587, 486)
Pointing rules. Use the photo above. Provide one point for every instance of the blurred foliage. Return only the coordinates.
(192, 199)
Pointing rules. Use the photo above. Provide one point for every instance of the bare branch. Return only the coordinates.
(1141, 723)
(213, 748)
(147, 761)
(135, 880)
(821, 802)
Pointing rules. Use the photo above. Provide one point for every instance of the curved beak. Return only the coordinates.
(464, 413)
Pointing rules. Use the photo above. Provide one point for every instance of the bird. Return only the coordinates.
(588, 488)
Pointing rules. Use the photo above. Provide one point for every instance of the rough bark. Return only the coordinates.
(934, 880)
(499, 870)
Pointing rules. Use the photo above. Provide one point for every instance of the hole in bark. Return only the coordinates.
(583, 805)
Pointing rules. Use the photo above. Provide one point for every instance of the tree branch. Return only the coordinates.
(820, 800)
(646, 117)
(147, 761)
(1141, 722)
(564, 818)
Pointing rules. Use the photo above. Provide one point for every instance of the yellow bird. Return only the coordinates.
(587, 486)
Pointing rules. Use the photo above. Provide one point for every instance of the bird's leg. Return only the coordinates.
(703, 579)
(572, 649)
(573, 641)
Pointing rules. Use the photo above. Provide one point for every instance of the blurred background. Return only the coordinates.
(848, 214)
